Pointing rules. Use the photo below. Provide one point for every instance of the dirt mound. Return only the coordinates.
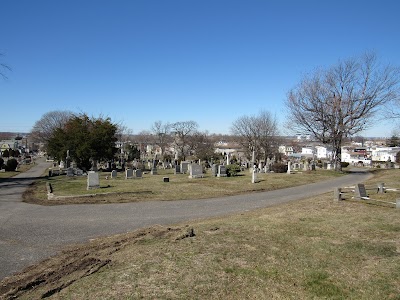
(75, 262)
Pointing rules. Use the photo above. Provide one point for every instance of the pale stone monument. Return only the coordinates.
(93, 180)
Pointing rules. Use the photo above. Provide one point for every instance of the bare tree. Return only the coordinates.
(44, 128)
(267, 127)
(161, 133)
(143, 138)
(257, 134)
(182, 131)
(3, 69)
(340, 102)
(201, 145)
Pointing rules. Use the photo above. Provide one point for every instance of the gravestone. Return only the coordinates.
(221, 171)
(288, 167)
(196, 171)
(114, 174)
(381, 188)
(79, 172)
(328, 166)
(137, 173)
(312, 167)
(154, 167)
(93, 180)
(306, 166)
(70, 172)
(62, 165)
(184, 167)
(177, 169)
(360, 191)
(128, 173)
(254, 177)
(337, 194)
(214, 170)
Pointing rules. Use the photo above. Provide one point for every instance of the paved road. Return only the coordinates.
(29, 233)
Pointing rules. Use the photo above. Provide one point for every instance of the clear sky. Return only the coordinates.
(210, 61)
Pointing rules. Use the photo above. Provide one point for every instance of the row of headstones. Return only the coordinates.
(305, 167)
(69, 172)
(360, 192)
(129, 173)
(196, 170)
(185, 167)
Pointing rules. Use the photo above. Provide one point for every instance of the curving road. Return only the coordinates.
(30, 233)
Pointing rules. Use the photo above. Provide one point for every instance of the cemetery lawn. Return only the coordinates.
(310, 249)
(72, 190)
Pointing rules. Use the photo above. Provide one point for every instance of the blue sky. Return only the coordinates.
(209, 61)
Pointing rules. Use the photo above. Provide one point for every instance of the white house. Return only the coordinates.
(353, 157)
(323, 152)
(286, 150)
(384, 154)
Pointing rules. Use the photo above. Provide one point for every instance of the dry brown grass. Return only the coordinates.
(310, 249)
(152, 187)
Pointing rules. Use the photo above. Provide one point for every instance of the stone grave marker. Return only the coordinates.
(214, 170)
(221, 171)
(114, 174)
(254, 177)
(196, 171)
(288, 167)
(79, 172)
(177, 169)
(128, 173)
(70, 172)
(360, 191)
(137, 173)
(184, 167)
(93, 180)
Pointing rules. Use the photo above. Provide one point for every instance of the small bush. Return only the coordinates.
(232, 170)
(344, 164)
(279, 168)
(11, 164)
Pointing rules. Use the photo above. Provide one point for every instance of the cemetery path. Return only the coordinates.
(30, 233)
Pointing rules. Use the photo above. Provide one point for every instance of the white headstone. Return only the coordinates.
(288, 168)
(93, 180)
(254, 177)
(113, 174)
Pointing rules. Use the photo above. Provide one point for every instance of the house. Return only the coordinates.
(286, 150)
(384, 154)
(323, 152)
(355, 156)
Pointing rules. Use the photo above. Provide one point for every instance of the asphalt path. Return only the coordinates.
(30, 233)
